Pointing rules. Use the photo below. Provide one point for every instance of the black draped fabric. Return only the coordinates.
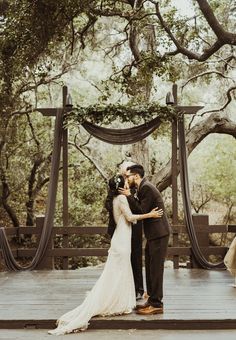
(10, 262)
(122, 136)
(187, 203)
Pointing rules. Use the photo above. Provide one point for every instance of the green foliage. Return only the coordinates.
(21, 153)
(87, 196)
(212, 167)
(219, 170)
(125, 113)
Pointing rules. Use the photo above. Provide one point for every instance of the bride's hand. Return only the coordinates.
(156, 213)
(126, 186)
(124, 191)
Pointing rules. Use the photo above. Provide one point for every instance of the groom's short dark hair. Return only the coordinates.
(137, 169)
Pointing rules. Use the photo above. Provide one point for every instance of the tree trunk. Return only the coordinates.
(11, 213)
(140, 154)
(31, 194)
(140, 150)
(4, 200)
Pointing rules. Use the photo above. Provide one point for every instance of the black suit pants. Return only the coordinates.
(155, 253)
(136, 256)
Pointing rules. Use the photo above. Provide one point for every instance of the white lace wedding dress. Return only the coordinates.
(114, 292)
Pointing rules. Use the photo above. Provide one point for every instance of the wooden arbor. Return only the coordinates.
(66, 106)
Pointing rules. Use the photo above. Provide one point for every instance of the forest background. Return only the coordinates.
(125, 53)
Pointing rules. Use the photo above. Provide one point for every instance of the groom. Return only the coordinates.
(156, 232)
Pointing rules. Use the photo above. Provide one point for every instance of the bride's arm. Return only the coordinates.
(125, 209)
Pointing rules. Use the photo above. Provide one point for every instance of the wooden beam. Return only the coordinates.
(53, 111)
(189, 109)
(50, 111)
(73, 252)
(95, 230)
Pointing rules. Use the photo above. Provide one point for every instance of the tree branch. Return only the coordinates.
(32, 131)
(133, 42)
(110, 13)
(115, 47)
(222, 35)
(223, 38)
(205, 74)
(91, 21)
(229, 99)
(197, 207)
(43, 81)
(92, 161)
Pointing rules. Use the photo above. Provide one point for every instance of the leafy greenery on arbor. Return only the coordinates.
(124, 113)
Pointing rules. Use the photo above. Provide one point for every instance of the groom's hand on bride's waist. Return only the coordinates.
(125, 192)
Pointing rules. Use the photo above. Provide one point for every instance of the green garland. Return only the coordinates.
(98, 114)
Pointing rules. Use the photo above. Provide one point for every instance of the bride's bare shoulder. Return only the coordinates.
(122, 198)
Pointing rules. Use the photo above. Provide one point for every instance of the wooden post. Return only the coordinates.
(174, 165)
(2, 266)
(65, 178)
(200, 221)
(48, 260)
(64, 145)
(65, 164)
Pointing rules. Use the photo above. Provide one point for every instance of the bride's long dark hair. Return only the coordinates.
(114, 183)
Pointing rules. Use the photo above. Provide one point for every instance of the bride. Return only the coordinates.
(114, 291)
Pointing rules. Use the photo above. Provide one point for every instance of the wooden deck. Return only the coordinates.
(194, 299)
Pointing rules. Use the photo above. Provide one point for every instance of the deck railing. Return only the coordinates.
(176, 251)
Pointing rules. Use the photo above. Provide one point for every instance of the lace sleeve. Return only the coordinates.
(125, 210)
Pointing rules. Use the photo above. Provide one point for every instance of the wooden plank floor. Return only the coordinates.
(121, 334)
(194, 299)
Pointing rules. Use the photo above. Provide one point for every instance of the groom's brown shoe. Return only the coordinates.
(144, 305)
(150, 310)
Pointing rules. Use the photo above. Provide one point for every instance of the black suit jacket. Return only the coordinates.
(149, 198)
